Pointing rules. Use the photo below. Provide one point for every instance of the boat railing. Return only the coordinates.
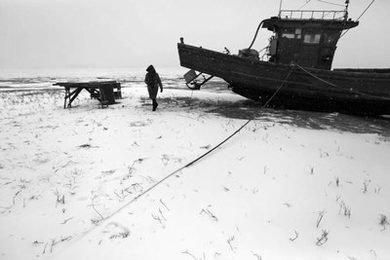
(310, 14)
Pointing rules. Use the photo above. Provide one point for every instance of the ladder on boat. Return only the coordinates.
(192, 81)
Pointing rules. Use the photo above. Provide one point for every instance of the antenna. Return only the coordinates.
(346, 9)
(280, 7)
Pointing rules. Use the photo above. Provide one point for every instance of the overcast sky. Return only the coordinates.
(135, 33)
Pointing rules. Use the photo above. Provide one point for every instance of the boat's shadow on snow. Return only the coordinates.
(247, 109)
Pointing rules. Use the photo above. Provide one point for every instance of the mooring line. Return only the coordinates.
(105, 219)
(193, 162)
(198, 158)
(336, 86)
(280, 87)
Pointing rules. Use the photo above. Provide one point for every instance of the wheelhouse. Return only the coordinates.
(308, 38)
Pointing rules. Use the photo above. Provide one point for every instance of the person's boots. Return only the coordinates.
(154, 105)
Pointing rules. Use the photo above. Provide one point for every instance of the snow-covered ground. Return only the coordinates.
(290, 185)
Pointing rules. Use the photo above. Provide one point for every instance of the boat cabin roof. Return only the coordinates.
(334, 20)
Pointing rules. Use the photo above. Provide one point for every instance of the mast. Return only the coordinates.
(280, 6)
(346, 9)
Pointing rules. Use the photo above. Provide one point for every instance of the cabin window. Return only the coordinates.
(292, 33)
(288, 33)
(312, 38)
(298, 33)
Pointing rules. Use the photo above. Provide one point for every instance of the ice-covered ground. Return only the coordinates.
(290, 185)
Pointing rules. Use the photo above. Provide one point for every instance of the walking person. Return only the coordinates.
(153, 81)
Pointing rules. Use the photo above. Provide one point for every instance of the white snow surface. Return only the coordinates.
(290, 185)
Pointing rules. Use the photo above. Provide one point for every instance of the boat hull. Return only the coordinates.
(364, 92)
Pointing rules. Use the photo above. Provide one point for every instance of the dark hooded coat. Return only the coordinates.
(153, 81)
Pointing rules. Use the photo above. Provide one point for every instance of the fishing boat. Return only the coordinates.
(296, 70)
